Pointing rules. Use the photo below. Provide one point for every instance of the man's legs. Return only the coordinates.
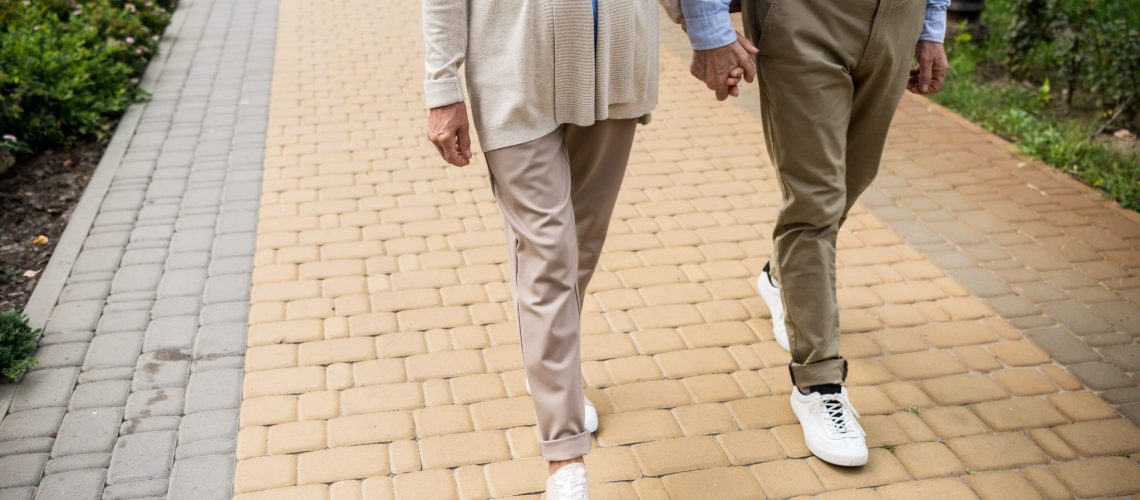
(532, 185)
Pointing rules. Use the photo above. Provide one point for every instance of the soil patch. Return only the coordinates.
(37, 196)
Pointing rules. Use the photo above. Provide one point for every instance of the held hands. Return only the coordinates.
(929, 73)
(448, 130)
(722, 68)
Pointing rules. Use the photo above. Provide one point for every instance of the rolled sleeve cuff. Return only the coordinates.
(710, 31)
(934, 25)
(442, 92)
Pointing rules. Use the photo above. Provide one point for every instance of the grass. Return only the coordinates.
(1028, 117)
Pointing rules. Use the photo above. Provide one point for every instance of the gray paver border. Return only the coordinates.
(54, 277)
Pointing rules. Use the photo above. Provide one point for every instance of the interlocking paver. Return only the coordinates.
(381, 315)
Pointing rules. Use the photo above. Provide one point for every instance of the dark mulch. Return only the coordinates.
(37, 196)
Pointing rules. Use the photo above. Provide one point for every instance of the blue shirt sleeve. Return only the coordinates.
(708, 23)
(934, 26)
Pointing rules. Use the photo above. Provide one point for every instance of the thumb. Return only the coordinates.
(747, 44)
(464, 141)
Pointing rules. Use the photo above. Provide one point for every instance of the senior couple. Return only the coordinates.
(557, 89)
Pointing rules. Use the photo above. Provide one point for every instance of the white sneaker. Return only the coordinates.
(590, 412)
(771, 295)
(831, 430)
(568, 483)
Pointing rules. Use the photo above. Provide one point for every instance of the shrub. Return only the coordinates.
(59, 80)
(17, 343)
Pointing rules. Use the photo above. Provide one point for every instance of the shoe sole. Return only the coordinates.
(771, 295)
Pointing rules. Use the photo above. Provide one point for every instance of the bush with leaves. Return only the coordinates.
(68, 67)
(17, 344)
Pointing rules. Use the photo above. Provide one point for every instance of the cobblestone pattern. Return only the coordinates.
(382, 361)
(139, 381)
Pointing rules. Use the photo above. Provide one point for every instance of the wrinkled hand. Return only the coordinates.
(722, 68)
(928, 75)
(448, 130)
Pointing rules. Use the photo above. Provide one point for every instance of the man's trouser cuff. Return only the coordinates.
(828, 371)
(566, 448)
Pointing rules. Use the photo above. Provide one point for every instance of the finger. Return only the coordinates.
(450, 149)
(734, 91)
(465, 142)
(721, 92)
(744, 61)
(747, 44)
(925, 66)
(732, 81)
(736, 72)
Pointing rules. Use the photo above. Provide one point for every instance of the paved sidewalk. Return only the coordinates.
(382, 360)
(139, 381)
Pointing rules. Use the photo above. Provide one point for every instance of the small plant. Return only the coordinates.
(17, 344)
(913, 409)
(889, 447)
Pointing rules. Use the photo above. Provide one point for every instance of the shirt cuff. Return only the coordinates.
(710, 31)
(934, 25)
(442, 92)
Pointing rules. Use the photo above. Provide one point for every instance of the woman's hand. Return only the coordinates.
(448, 130)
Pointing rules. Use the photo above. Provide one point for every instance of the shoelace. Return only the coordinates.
(571, 485)
(836, 410)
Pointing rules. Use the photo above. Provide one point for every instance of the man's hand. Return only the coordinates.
(930, 72)
(722, 68)
(448, 130)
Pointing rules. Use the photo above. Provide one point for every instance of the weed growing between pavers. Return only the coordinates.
(17, 343)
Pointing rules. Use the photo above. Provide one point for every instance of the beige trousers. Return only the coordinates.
(557, 194)
(831, 76)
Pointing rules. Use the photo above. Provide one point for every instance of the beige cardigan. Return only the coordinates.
(522, 87)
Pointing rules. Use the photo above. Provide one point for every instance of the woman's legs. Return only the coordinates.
(532, 186)
(557, 194)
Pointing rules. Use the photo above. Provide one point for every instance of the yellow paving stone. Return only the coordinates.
(927, 460)
(523, 442)
(268, 410)
(307, 492)
(444, 365)
(470, 482)
(403, 456)
(1012, 414)
(335, 464)
(1101, 437)
(630, 427)
(712, 388)
(787, 478)
(370, 428)
(648, 395)
(1001, 485)
(915, 429)
(1046, 483)
(453, 450)
(1025, 382)
(976, 358)
(376, 488)
(762, 413)
(950, 489)
(296, 437)
(385, 397)
(618, 463)
(473, 388)
(922, 365)
(1099, 477)
(681, 364)
(345, 490)
(749, 447)
(882, 431)
(997, 451)
(729, 483)
(428, 485)
(502, 413)
(704, 419)
(326, 352)
(962, 389)
(1054, 446)
(251, 442)
(882, 468)
(516, 477)
(284, 381)
(263, 473)
(1081, 406)
(318, 405)
(658, 458)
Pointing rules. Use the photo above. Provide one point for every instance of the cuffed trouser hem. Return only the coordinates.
(566, 448)
(828, 371)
